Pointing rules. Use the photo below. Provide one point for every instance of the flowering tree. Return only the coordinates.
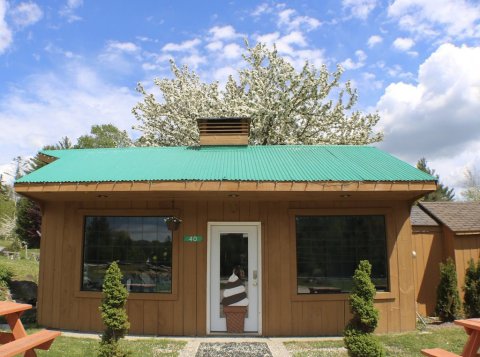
(286, 106)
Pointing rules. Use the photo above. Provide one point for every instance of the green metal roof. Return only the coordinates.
(225, 163)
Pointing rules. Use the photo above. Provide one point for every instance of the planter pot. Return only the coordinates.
(235, 316)
(173, 226)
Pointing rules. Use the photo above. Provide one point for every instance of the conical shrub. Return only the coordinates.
(448, 299)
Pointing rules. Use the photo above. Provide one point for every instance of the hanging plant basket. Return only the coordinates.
(173, 223)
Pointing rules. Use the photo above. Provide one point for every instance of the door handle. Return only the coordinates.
(255, 276)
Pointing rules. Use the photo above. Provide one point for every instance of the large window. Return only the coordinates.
(329, 249)
(142, 246)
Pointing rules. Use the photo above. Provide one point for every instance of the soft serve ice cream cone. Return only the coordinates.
(234, 293)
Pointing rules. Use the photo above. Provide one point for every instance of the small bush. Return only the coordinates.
(448, 299)
(114, 314)
(6, 275)
(358, 337)
(471, 299)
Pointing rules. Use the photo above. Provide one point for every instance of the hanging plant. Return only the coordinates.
(173, 223)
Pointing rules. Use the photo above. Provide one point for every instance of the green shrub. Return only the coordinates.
(358, 337)
(448, 299)
(6, 275)
(114, 314)
(471, 299)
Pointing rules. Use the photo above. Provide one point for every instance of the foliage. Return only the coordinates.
(472, 185)
(114, 314)
(471, 299)
(448, 299)
(359, 338)
(442, 193)
(286, 106)
(6, 275)
(104, 136)
(29, 222)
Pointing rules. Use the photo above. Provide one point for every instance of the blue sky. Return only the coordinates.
(68, 64)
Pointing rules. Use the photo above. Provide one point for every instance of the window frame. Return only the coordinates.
(391, 255)
(83, 213)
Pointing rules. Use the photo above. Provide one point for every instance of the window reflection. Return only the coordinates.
(329, 249)
(141, 245)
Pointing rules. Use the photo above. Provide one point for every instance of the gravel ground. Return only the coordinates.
(233, 349)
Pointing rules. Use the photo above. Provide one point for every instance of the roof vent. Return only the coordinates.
(224, 131)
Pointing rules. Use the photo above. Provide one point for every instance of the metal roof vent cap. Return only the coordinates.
(223, 131)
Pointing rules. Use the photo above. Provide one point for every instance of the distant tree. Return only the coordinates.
(442, 193)
(114, 314)
(104, 136)
(448, 300)
(472, 185)
(286, 106)
(471, 298)
(29, 221)
(359, 339)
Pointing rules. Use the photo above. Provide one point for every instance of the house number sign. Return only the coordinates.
(193, 239)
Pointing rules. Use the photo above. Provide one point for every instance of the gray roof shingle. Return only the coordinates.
(458, 216)
(419, 217)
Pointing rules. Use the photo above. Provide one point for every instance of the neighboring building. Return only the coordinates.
(441, 230)
(296, 219)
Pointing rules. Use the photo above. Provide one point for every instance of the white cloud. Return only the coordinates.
(5, 32)
(437, 117)
(26, 14)
(44, 107)
(283, 43)
(351, 64)
(214, 46)
(128, 47)
(450, 18)
(182, 47)
(403, 43)
(262, 9)
(359, 8)
(68, 10)
(194, 60)
(374, 40)
(232, 51)
(223, 33)
(289, 19)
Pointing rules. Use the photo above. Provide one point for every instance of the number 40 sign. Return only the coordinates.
(192, 239)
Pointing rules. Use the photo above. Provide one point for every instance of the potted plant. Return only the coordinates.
(173, 223)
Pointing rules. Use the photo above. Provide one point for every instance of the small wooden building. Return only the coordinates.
(442, 230)
(296, 219)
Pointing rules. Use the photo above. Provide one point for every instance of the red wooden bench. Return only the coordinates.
(41, 340)
(17, 341)
(438, 352)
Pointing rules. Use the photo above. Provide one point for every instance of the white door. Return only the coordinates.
(234, 245)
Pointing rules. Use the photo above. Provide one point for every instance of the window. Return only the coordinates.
(329, 249)
(141, 245)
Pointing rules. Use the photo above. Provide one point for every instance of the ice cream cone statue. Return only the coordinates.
(235, 302)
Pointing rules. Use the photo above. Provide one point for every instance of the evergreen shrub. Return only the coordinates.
(471, 299)
(114, 314)
(6, 275)
(448, 299)
(358, 335)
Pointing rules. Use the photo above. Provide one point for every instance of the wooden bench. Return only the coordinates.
(41, 340)
(438, 352)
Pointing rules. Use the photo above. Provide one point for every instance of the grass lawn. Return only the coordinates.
(451, 338)
(23, 269)
(85, 347)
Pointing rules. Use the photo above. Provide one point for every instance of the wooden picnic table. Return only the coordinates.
(17, 341)
(472, 346)
(472, 328)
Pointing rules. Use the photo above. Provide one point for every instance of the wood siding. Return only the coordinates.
(62, 305)
(428, 246)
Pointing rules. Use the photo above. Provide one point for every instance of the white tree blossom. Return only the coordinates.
(286, 106)
(472, 185)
